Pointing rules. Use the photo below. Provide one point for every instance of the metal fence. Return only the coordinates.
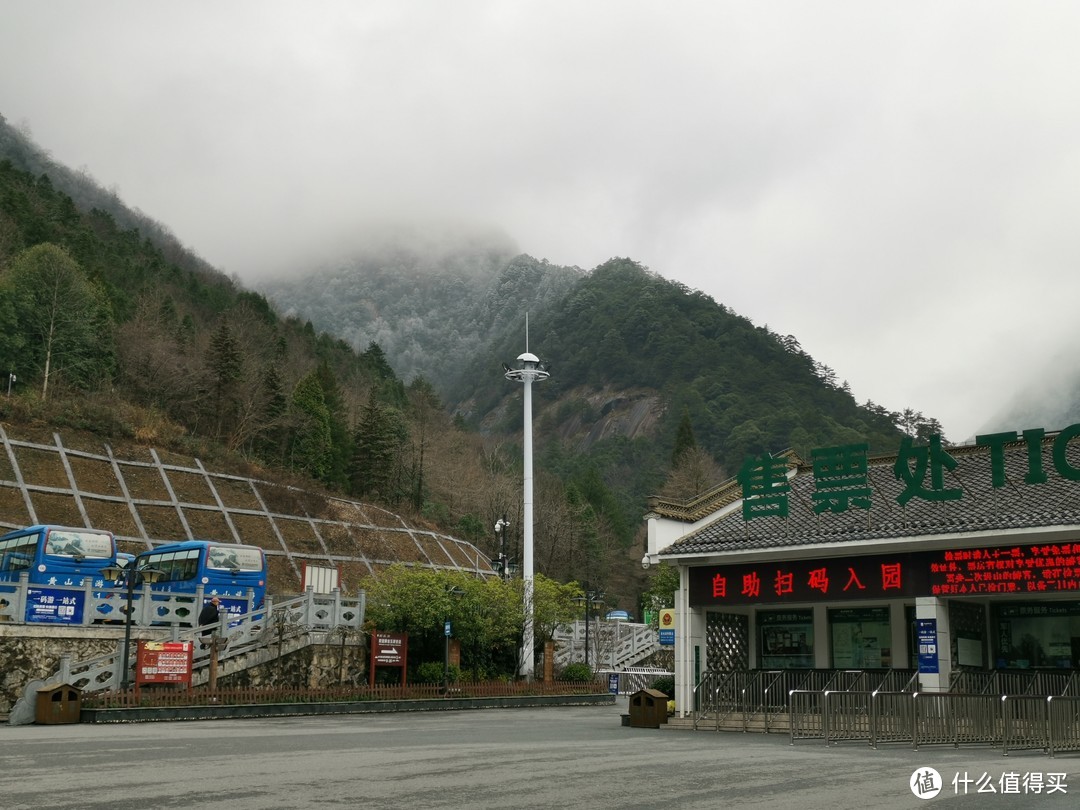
(1011, 722)
(765, 696)
(883, 706)
(1015, 682)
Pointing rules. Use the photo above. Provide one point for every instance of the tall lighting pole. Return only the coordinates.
(530, 370)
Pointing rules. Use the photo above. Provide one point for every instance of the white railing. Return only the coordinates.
(612, 645)
(91, 603)
(283, 625)
(633, 679)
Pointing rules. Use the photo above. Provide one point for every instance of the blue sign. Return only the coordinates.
(613, 682)
(446, 629)
(926, 631)
(54, 606)
(667, 637)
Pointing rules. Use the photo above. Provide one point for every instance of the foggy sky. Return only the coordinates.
(896, 184)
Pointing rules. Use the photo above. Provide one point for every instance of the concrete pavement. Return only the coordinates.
(498, 758)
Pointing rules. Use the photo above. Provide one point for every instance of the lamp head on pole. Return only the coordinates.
(530, 369)
(151, 575)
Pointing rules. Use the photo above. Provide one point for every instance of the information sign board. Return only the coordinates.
(164, 662)
(926, 630)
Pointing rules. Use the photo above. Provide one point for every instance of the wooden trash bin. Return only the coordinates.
(648, 708)
(59, 703)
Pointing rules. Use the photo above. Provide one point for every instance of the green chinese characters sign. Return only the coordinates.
(842, 482)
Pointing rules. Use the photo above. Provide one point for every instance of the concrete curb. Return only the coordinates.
(155, 714)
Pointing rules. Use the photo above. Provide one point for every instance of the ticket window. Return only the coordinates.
(1045, 636)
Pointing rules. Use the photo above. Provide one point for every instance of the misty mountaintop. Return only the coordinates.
(431, 306)
(630, 353)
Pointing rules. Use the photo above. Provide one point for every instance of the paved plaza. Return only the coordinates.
(579, 757)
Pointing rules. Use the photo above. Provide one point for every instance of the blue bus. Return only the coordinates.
(56, 560)
(225, 570)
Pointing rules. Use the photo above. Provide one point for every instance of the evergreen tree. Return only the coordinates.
(340, 441)
(226, 366)
(684, 438)
(376, 470)
(270, 442)
(311, 446)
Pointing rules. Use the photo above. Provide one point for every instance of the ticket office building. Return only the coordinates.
(935, 559)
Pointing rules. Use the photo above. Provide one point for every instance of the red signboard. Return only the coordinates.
(389, 650)
(808, 580)
(164, 662)
(1009, 570)
(1049, 568)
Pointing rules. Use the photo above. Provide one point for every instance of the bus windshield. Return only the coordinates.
(233, 558)
(87, 545)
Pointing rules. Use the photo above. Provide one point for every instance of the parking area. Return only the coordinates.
(499, 758)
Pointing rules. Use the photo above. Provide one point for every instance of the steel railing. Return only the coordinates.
(884, 706)
(1063, 721)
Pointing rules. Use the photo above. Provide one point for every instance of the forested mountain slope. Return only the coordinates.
(161, 348)
(431, 307)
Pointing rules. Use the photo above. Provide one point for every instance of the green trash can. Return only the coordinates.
(59, 703)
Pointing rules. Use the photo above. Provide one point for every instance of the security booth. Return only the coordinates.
(58, 703)
(648, 708)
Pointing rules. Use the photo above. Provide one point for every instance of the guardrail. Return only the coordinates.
(1011, 722)
(717, 695)
(203, 696)
(1014, 682)
(765, 695)
(1063, 719)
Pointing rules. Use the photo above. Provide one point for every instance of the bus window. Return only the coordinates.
(80, 545)
(224, 570)
(56, 560)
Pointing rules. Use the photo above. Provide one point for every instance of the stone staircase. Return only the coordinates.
(613, 646)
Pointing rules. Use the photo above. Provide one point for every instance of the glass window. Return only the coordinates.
(861, 637)
(17, 553)
(786, 638)
(1038, 635)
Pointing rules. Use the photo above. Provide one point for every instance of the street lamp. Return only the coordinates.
(130, 575)
(531, 370)
(501, 525)
(589, 599)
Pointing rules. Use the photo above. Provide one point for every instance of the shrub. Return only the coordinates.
(665, 684)
(577, 671)
(432, 672)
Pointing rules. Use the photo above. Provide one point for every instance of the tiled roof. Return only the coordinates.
(982, 507)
